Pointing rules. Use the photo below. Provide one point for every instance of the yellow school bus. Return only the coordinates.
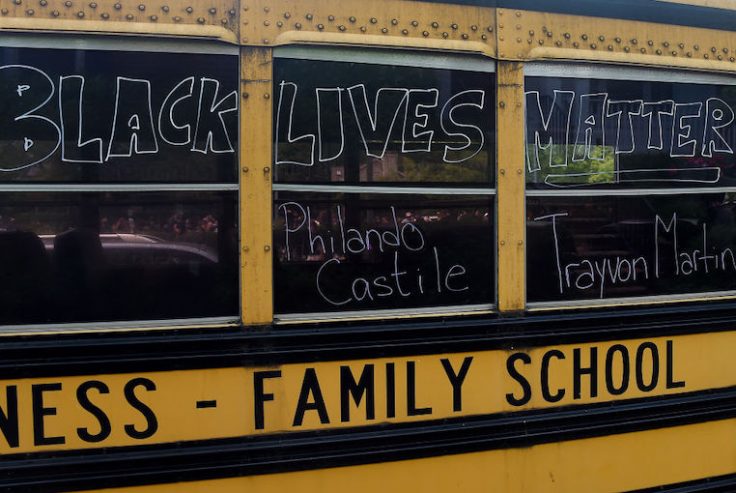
(391, 245)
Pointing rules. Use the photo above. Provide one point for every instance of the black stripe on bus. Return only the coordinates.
(192, 461)
(660, 12)
(719, 484)
(104, 353)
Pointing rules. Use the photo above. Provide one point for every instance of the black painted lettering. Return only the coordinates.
(9, 417)
(310, 399)
(390, 390)
(526, 389)
(138, 405)
(411, 392)
(671, 382)
(102, 419)
(40, 411)
(546, 358)
(365, 386)
(652, 348)
(456, 380)
(578, 371)
(625, 369)
(260, 396)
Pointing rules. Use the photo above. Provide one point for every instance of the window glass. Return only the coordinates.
(383, 193)
(369, 251)
(112, 116)
(630, 187)
(118, 176)
(77, 257)
(339, 122)
(628, 133)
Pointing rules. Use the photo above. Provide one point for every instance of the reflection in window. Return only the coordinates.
(100, 257)
(352, 252)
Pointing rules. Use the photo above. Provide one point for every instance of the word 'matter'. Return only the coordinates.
(190, 116)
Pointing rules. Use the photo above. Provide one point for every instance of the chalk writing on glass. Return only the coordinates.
(135, 126)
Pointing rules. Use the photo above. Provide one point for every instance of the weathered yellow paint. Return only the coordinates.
(213, 19)
(172, 396)
(526, 35)
(510, 186)
(395, 22)
(595, 465)
(256, 149)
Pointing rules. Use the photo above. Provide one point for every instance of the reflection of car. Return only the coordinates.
(126, 249)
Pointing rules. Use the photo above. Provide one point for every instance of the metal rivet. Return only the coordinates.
(384, 30)
(66, 4)
(267, 9)
(212, 11)
(341, 27)
(575, 44)
(567, 35)
(17, 2)
(230, 12)
(279, 23)
(224, 22)
(725, 50)
(55, 13)
(246, 249)
(658, 52)
(245, 169)
(93, 5)
(425, 33)
(330, 18)
(200, 20)
(520, 242)
(593, 46)
(502, 241)
(541, 41)
(617, 39)
(601, 38)
(489, 29)
(610, 47)
(309, 17)
(266, 96)
(549, 34)
(265, 41)
(80, 14)
(246, 95)
(320, 26)
(731, 59)
(666, 44)
(444, 35)
(627, 49)
(643, 50)
(363, 29)
(500, 38)
(557, 43)
(705, 55)
(696, 47)
(518, 40)
(501, 104)
(105, 15)
(414, 23)
(373, 20)
(298, 25)
(720, 57)
(650, 42)
(154, 18)
(177, 18)
(531, 33)
(634, 41)
(141, 7)
(483, 37)
(4, 11)
(352, 19)
(189, 10)
(681, 45)
(287, 15)
(453, 26)
(473, 27)
(129, 17)
(689, 54)
(266, 170)
(713, 49)
(518, 14)
(43, 3)
(394, 22)
(117, 6)
(266, 248)
(674, 53)
(30, 12)
(266, 23)
(584, 37)
(404, 32)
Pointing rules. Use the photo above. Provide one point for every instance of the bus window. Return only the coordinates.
(110, 157)
(384, 184)
(629, 185)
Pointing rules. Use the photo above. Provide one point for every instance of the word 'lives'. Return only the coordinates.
(43, 116)
(417, 117)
